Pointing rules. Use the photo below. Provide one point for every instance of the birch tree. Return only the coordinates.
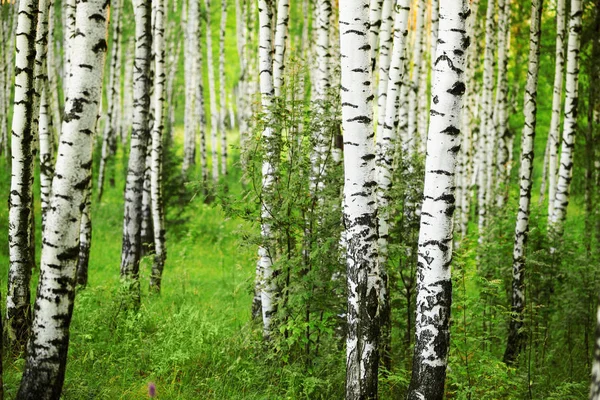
(191, 48)
(360, 211)
(385, 147)
(132, 221)
(214, 113)
(114, 83)
(46, 358)
(515, 334)
(266, 284)
(565, 171)
(18, 312)
(434, 285)
(222, 98)
(554, 133)
(157, 146)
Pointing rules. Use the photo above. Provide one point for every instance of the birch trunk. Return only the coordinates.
(485, 126)
(127, 113)
(595, 380)
(85, 238)
(554, 133)
(434, 285)
(190, 21)
(53, 67)
(132, 244)
(69, 9)
(114, 83)
(281, 33)
(45, 363)
(417, 56)
(565, 171)
(222, 97)
(158, 215)
(266, 284)
(18, 309)
(46, 155)
(386, 147)
(374, 21)
(515, 334)
(360, 211)
(214, 112)
(385, 48)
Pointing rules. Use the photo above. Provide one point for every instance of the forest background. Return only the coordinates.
(197, 339)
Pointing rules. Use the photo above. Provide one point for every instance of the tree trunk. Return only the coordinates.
(222, 98)
(46, 155)
(270, 139)
(554, 133)
(413, 103)
(281, 33)
(214, 112)
(190, 22)
(114, 83)
(434, 284)
(18, 309)
(158, 215)
(45, 363)
(386, 147)
(85, 238)
(515, 334)
(360, 211)
(134, 186)
(565, 172)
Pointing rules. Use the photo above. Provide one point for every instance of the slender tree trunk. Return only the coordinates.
(515, 334)
(127, 119)
(158, 215)
(191, 49)
(18, 309)
(266, 284)
(565, 172)
(434, 284)
(45, 363)
(374, 21)
(413, 103)
(46, 155)
(386, 148)
(114, 83)
(486, 136)
(385, 48)
(85, 238)
(222, 97)
(132, 221)
(69, 9)
(281, 33)
(360, 210)
(214, 112)
(52, 65)
(554, 133)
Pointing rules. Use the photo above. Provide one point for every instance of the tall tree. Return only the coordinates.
(565, 172)
(18, 308)
(386, 147)
(265, 272)
(114, 83)
(515, 333)
(559, 76)
(222, 98)
(434, 286)
(190, 21)
(132, 221)
(158, 217)
(360, 211)
(214, 112)
(46, 359)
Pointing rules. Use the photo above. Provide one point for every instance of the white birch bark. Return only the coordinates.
(554, 133)
(85, 238)
(375, 10)
(45, 363)
(501, 104)
(18, 310)
(46, 155)
(525, 183)
(595, 378)
(385, 48)
(434, 285)
(132, 244)
(266, 284)
(214, 112)
(190, 21)
(69, 9)
(281, 33)
(52, 65)
(565, 171)
(485, 114)
(417, 56)
(386, 147)
(158, 217)
(114, 83)
(127, 112)
(360, 210)
(222, 96)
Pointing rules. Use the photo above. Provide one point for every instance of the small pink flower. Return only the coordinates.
(151, 390)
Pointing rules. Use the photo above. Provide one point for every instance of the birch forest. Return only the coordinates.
(300, 199)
